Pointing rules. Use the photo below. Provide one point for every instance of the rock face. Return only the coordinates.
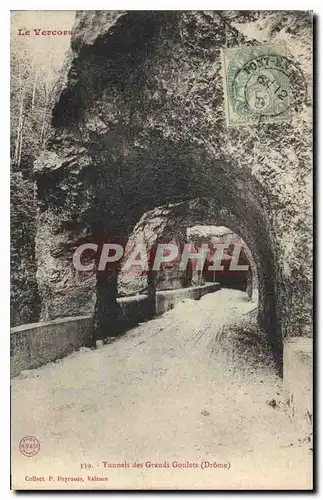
(160, 225)
(25, 301)
(63, 289)
(141, 123)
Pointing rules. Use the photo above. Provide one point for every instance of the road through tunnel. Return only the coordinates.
(140, 123)
(206, 192)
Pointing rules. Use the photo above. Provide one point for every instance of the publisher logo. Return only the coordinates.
(29, 446)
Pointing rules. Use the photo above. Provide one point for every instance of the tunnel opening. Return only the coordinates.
(235, 268)
(218, 194)
(181, 215)
(136, 152)
(174, 223)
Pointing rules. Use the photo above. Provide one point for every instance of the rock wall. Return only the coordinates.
(25, 305)
(161, 225)
(141, 122)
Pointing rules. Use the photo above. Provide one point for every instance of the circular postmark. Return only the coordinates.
(266, 92)
(266, 85)
(29, 446)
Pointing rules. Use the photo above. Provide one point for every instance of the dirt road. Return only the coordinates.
(193, 387)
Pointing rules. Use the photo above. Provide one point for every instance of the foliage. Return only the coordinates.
(32, 93)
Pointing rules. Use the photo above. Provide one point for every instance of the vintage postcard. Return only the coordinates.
(161, 250)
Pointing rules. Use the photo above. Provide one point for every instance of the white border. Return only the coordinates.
(164, 5)
(316, 6)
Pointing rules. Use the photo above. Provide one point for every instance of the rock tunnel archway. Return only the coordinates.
(140, 123)
(191, 222)
(229, 198)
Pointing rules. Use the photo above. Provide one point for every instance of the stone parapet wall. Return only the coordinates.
(298, 381)
(167, 299)
(35, 344)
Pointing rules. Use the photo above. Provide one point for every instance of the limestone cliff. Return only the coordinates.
(141, 122)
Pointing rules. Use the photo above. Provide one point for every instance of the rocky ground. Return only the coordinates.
(196, 384)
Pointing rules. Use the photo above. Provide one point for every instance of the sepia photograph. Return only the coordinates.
(161, 250)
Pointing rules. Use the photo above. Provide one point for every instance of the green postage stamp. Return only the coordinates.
(257, 84)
